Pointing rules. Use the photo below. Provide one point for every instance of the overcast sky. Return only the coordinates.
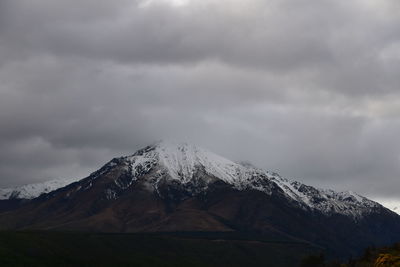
(307, 88)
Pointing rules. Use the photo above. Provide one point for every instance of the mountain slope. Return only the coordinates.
(179, 187)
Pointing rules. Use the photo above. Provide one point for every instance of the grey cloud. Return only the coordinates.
(339, 44)
(283, 34)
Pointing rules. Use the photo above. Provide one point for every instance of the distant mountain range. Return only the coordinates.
(32, 191)
(169, 187)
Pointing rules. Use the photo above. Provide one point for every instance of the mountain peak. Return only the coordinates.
(182, 160)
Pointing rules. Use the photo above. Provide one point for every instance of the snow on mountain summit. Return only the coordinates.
(181, 161)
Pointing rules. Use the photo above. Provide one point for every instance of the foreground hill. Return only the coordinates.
(182, 188)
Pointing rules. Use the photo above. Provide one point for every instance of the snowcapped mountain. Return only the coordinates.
(182, 162)
(169, 187)
(31, 191)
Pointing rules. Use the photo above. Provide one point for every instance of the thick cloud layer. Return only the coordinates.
(307, 88)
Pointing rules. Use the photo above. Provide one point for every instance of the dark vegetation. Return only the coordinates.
(388, 256)
(383, 256)
(45, 248)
